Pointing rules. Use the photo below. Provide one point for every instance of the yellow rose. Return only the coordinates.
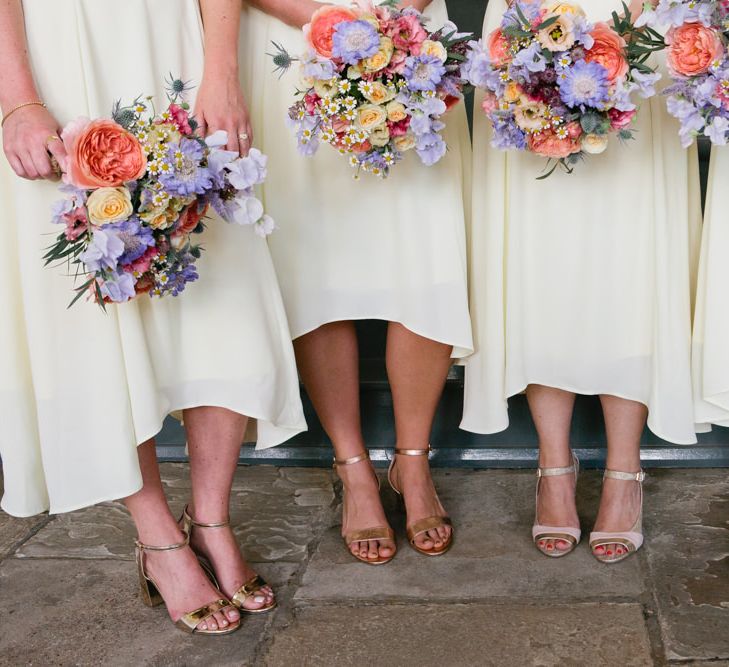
(157, 218)
(433, 48)
(354, 72)
(382, 58)
(561, 8)
(108, 205)
(560, 35)
(405, 142)
(396, 112)
(326, 89)
(594, 144)
(380, 136)
(370, 116)
(512, 92)
(378, 93)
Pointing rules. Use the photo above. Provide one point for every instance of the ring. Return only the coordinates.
(243, 136)
(56, 167)
(53, 137)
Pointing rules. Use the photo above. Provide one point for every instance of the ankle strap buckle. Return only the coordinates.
(625, 476)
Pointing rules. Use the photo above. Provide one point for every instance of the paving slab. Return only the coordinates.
(687, 548)
(89, 613)
(14, 531)
(493, 555)
(463, 635)
(276, 514)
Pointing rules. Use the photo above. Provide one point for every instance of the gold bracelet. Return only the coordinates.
(21, 106)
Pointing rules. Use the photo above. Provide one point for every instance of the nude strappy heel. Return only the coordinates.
(376, 533)
(632, 540)
(248, 590)
(566, 533)
(429, 523)
(152, 597)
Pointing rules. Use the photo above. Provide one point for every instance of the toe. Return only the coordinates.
(221, 620)
(562, 545)
(435, 538)
(549, 546)
(372, 553)
(232, 614)
(386, 549)
(363, 549)
(424, 542)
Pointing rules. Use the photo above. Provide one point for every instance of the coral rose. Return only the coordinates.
(692, 48)
(103, 154)
(548, 144)
(189, 220)
(608, 51)
(320, 31)
(498, 47)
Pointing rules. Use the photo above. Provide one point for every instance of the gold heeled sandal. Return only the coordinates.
(429, 523)
(631, 540)
(377, 533)
(565, 533)
(152, 597)
(248, 590)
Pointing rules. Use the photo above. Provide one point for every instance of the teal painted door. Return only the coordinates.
(515, 447)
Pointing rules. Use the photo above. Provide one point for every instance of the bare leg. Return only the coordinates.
(552, 414)
(417, 368)
(620, 501)
(177, 574)
(214, 437)
(328, 361)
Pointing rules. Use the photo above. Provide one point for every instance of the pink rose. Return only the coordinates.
(102, 153)
(409, 34)
(181, 118)
(692, 48)
(311, 100)
(619, 120)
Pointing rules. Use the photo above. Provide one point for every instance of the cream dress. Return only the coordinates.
(584, 282)
(370, 249)
(711, 323)
(79, 389)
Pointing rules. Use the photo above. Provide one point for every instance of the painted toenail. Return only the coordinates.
(258, 599)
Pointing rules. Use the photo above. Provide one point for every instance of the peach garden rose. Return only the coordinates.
(320, 31)
(608, 51)
(692, 48)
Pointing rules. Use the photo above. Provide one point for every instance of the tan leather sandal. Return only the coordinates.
(428, 523)
(248, 590)
(190, 621)
(376, 533)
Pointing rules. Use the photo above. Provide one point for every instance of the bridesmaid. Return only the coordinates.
(393, 251)
(80, 389)
(582, 285)
(711, 323)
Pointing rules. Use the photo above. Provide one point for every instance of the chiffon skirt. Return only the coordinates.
(80, 389)
(369, 249)
(711, 323)
(584, 282)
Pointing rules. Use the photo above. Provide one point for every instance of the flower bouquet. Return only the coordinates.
(137, 188)
(699, 65)
(376, 84)
(559, 86)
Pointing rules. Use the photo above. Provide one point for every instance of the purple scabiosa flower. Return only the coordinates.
(104, 250)
(135, 237)
(585, 85)
(353, 41)
(423, 72)
(118, 287)
(185, 175)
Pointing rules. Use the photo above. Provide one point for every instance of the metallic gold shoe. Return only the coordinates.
(377, 533)
(631, 540)
(564, 533)
(248, 590)
(429, 523)
(152, 597)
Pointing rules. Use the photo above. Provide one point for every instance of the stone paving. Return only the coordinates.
(68, 591)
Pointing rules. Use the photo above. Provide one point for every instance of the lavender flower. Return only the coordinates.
(717, 130)
(248, 171)
(118, 287)
(104, 250)
(529, 60)
(431, 148)
(353, 41)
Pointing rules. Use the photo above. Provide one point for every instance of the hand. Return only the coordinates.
(30, 138)
(304, 11)
(221, 106)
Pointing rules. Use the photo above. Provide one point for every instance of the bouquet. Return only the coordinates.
(699, 66)
(559, 86)
(376, 84)
(137, 188)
